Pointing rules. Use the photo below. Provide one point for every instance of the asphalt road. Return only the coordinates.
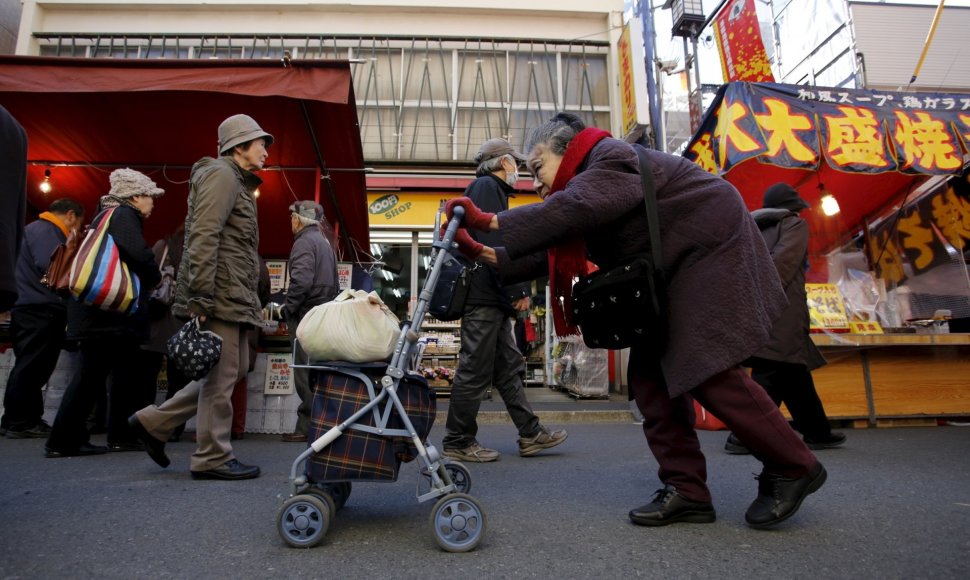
(896, 505)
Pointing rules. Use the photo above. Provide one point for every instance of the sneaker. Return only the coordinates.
(544, 439)
(734, 446)
(474, 453)
(780, 497)
(39, 431)
(834, 439)
(669, 507)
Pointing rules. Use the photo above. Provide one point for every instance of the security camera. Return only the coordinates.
(667, 66)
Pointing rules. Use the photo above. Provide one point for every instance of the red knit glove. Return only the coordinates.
(468, 246)
(475, 218)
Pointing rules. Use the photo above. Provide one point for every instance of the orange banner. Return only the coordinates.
(743, 56)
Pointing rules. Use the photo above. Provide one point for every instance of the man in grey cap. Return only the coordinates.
(218, 283)
(489, 355)
(313, 281)
(784, 366)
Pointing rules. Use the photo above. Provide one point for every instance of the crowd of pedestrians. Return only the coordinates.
(592, 208)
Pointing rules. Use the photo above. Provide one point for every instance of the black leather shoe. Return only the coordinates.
(734, 446)
(230, 470)
(82, 451)
(669, 507)
(834, 439)
(780, 497)
(126, 446)
(154, 447)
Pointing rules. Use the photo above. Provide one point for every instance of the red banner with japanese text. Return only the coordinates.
(865, 148)
(742, 51)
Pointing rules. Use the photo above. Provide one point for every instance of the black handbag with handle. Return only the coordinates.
(626, 305)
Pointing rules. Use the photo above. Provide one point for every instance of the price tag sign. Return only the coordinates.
(865, 328)
(825, 307)
(277, 275)
(345, 271)
(278, 375)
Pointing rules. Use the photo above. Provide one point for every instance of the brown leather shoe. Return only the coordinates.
(293, 438)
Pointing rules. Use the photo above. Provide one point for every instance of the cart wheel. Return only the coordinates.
(325, 493)
(460, 476)
(458, 522)
(337, 492)
(303, 520)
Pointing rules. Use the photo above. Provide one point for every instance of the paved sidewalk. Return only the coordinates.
(896, 505)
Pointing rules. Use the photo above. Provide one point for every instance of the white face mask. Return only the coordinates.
(512, 177)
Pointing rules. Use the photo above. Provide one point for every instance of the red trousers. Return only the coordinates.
(734, 398)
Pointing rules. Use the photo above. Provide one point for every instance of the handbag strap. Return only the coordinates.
(653, 219)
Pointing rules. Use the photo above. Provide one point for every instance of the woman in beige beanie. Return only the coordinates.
(109, 341)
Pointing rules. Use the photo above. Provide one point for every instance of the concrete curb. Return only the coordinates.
(550, 418)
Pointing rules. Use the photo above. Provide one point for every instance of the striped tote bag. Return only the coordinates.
(98, 275)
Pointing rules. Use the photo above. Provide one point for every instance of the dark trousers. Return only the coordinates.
(488, 357)
(114, 358)
(792, 385)
(176, 380)
(38, 334)
(734, 398)
(301, 378)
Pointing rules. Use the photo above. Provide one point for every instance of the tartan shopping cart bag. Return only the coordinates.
(358, 455)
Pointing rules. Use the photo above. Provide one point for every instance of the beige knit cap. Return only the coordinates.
(127, 183)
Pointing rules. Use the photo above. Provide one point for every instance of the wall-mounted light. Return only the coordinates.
(45, 186)
(256, 193)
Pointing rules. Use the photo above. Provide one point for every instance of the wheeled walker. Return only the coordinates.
(366, 420)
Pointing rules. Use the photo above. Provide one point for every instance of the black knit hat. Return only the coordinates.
(784, 196)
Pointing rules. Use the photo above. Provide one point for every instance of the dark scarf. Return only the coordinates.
(568, 260)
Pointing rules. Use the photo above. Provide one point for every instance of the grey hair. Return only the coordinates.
(492, 165)
(556, 133)
(305, 222)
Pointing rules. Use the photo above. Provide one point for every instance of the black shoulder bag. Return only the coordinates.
(626, 305)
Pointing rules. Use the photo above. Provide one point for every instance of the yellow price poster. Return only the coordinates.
(825, 307)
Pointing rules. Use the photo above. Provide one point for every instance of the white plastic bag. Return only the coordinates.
(355, 327)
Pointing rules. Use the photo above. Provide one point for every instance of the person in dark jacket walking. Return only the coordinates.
(218, 282)
(313, 281)
(109, 341)
(37, 321)
(722, 296)
(784, 366)
(489, 355)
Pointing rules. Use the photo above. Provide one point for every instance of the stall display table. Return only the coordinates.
(877, 378)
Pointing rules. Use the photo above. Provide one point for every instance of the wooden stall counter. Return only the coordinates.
(879, 378)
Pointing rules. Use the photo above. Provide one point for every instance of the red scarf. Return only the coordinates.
(568, 260)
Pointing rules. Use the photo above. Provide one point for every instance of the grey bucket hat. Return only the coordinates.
(240, 129)
(496, 148)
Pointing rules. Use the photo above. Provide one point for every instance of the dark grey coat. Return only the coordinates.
(313, 273)
(786, 236)
(723, 292)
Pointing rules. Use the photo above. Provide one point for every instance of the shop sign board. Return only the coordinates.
(278, 375)
(417, 209)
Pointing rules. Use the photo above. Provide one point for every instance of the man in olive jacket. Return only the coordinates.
(313, 281)
(218, 283)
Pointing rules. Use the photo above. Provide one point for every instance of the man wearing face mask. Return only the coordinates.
(489, 356)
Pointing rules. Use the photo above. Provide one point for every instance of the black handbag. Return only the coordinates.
(625, 305)
(194, 351)
(451, 292)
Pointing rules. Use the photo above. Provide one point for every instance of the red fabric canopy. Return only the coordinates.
(86, 117)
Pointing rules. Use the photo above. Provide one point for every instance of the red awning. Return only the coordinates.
(86, 117)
